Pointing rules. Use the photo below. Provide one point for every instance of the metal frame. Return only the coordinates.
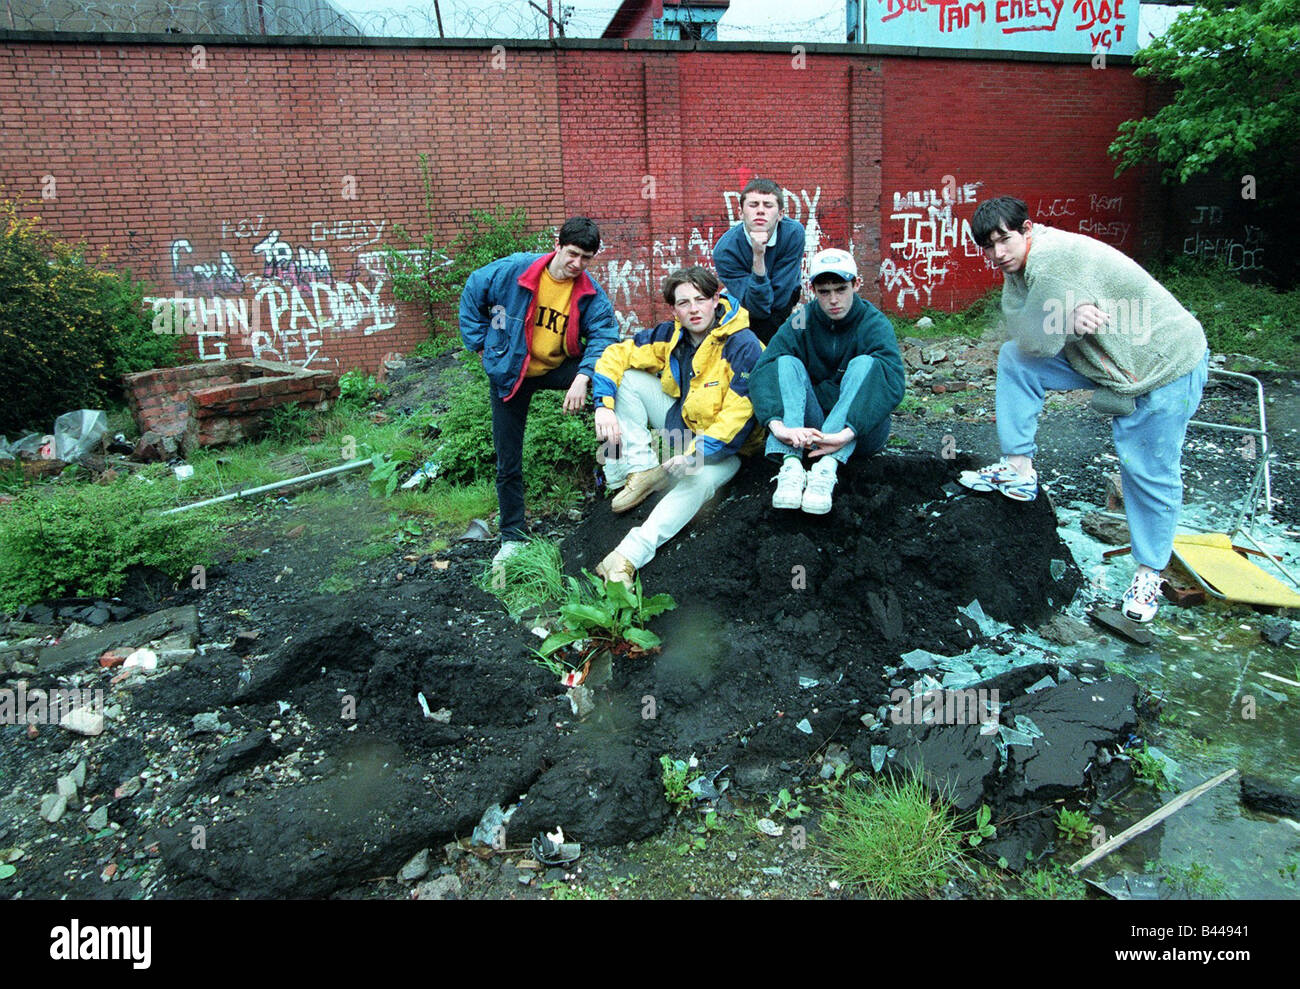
(1247, 516)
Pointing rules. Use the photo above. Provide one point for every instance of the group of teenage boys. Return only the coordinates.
(742, 367)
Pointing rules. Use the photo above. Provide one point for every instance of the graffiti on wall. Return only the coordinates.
(633, 284)
(1072, 26)
(1095, 215)
(932, 241)
(279, 297)
(933, 260)
(1213, 240)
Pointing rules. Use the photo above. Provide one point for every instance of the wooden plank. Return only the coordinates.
(1151, 820)
(1109, 618)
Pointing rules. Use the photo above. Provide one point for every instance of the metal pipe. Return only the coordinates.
(1262, 432)
(273, 486)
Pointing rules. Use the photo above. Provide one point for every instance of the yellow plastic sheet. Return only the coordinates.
(1211, 557)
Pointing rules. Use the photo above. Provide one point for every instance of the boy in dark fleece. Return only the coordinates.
(826, 384)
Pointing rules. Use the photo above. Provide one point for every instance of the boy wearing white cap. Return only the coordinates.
(826, 384)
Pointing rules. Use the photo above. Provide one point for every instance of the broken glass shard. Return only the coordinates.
(878, 753)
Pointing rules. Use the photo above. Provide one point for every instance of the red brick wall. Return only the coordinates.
(266, 177)
(1034, 130)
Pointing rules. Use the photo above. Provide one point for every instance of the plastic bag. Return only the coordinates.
(77, 433)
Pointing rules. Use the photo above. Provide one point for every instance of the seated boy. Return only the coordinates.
(759, 259)
(690, 378)
(826, 385)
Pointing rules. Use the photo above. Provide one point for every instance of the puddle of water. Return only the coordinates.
(1218, 712)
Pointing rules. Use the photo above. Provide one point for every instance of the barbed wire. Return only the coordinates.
(518, 19)
(299, 18)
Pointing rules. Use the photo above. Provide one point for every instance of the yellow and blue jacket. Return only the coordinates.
(711, 392)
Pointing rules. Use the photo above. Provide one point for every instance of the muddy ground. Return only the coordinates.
(323, 776)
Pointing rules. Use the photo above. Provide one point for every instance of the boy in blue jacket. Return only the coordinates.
(536, 321)
(826, 384)
(760, 259)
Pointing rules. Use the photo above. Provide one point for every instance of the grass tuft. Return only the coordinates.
(532, 578)
(891, 837)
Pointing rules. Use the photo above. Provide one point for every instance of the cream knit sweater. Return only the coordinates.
(1151, 339)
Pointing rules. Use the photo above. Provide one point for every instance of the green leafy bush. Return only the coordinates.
(359, 388)
(68, 329)
(433, 274)
(63, 541)
(556, 445)
(464, 452)
(1238, 318)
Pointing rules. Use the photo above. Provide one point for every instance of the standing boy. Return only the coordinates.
(537, 321)
(1083, 315)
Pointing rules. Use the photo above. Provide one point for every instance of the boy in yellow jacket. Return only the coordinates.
(689, 378)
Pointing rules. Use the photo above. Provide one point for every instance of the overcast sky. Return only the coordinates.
(467, 19)
(767, 20)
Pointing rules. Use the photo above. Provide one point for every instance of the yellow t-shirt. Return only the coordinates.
(550, 322)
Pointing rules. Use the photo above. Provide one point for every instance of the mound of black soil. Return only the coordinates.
(327, 773)
(903, 547)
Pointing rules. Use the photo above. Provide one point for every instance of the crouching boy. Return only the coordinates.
(826, 385)
(1081, 314)
(688, 377)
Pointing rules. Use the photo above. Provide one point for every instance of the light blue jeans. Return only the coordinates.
(800, 407)
(1149, 440)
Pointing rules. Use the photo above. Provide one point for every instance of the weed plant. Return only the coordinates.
(607, 615)
(1073, 826)
(674, 775)
(61, 540)
(432, 273)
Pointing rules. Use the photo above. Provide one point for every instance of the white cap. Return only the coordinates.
(834, 262)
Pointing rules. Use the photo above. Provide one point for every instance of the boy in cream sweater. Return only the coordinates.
(1081, 314)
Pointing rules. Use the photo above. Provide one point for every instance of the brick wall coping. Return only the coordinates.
(558, 44)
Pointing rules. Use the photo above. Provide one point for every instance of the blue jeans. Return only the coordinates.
(1149, 440)
(800, 407)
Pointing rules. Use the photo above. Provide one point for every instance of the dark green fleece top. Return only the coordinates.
(825, 347)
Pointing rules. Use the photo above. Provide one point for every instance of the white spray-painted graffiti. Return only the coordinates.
(1244, 253)
(926, 256)
(1101, 222)
(932, 239)
(296, 293)
(629, 283)
(1093, 215)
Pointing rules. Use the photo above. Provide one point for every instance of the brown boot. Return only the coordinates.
(638, 488)
(617, 567)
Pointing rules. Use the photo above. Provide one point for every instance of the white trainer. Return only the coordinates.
(509, 548)
(1142, 599)
(821, 481)
(790, 483)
